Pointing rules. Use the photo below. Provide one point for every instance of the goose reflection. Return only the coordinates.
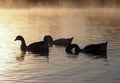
(40, 57)
(21, 57)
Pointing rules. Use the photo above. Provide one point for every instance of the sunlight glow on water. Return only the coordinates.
(33, 24)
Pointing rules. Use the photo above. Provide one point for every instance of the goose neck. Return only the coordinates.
(23, 46)
(23, 42)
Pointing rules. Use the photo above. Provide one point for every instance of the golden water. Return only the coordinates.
(87, 26)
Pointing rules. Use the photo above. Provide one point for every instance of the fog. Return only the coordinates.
(58, 3)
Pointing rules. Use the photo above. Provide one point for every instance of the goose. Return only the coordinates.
(59, 42)
(76, 48)
(36, 47)
(96, 49)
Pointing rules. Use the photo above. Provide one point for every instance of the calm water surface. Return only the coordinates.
(87, 26)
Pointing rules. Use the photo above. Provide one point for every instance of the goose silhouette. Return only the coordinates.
(59, 42)
(36, 47)
(93, 49)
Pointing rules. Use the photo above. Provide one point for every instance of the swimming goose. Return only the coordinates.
(94, 49)
(59, 42)
(37, 47)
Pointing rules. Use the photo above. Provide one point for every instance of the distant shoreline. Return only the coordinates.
(58, 3)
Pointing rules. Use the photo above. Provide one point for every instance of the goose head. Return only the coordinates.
(19, 37)
(76, 51)
(49, 39)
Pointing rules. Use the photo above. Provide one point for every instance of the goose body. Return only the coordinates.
(60, 42)
(37, 47)
(96, 49)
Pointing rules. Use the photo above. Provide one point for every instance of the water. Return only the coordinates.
(87, 26)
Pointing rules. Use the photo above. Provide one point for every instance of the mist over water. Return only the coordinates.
(88, 21)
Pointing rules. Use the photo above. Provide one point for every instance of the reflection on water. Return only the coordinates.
(96, 27)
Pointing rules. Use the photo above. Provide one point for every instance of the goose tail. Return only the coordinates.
(106, 42)
(72, 38)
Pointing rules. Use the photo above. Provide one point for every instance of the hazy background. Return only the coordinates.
(88, 21)
(58, 3)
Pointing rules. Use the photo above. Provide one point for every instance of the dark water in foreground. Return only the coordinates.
(87, 26)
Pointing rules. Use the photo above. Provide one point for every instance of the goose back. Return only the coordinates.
(63, 41)
(96, 49)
